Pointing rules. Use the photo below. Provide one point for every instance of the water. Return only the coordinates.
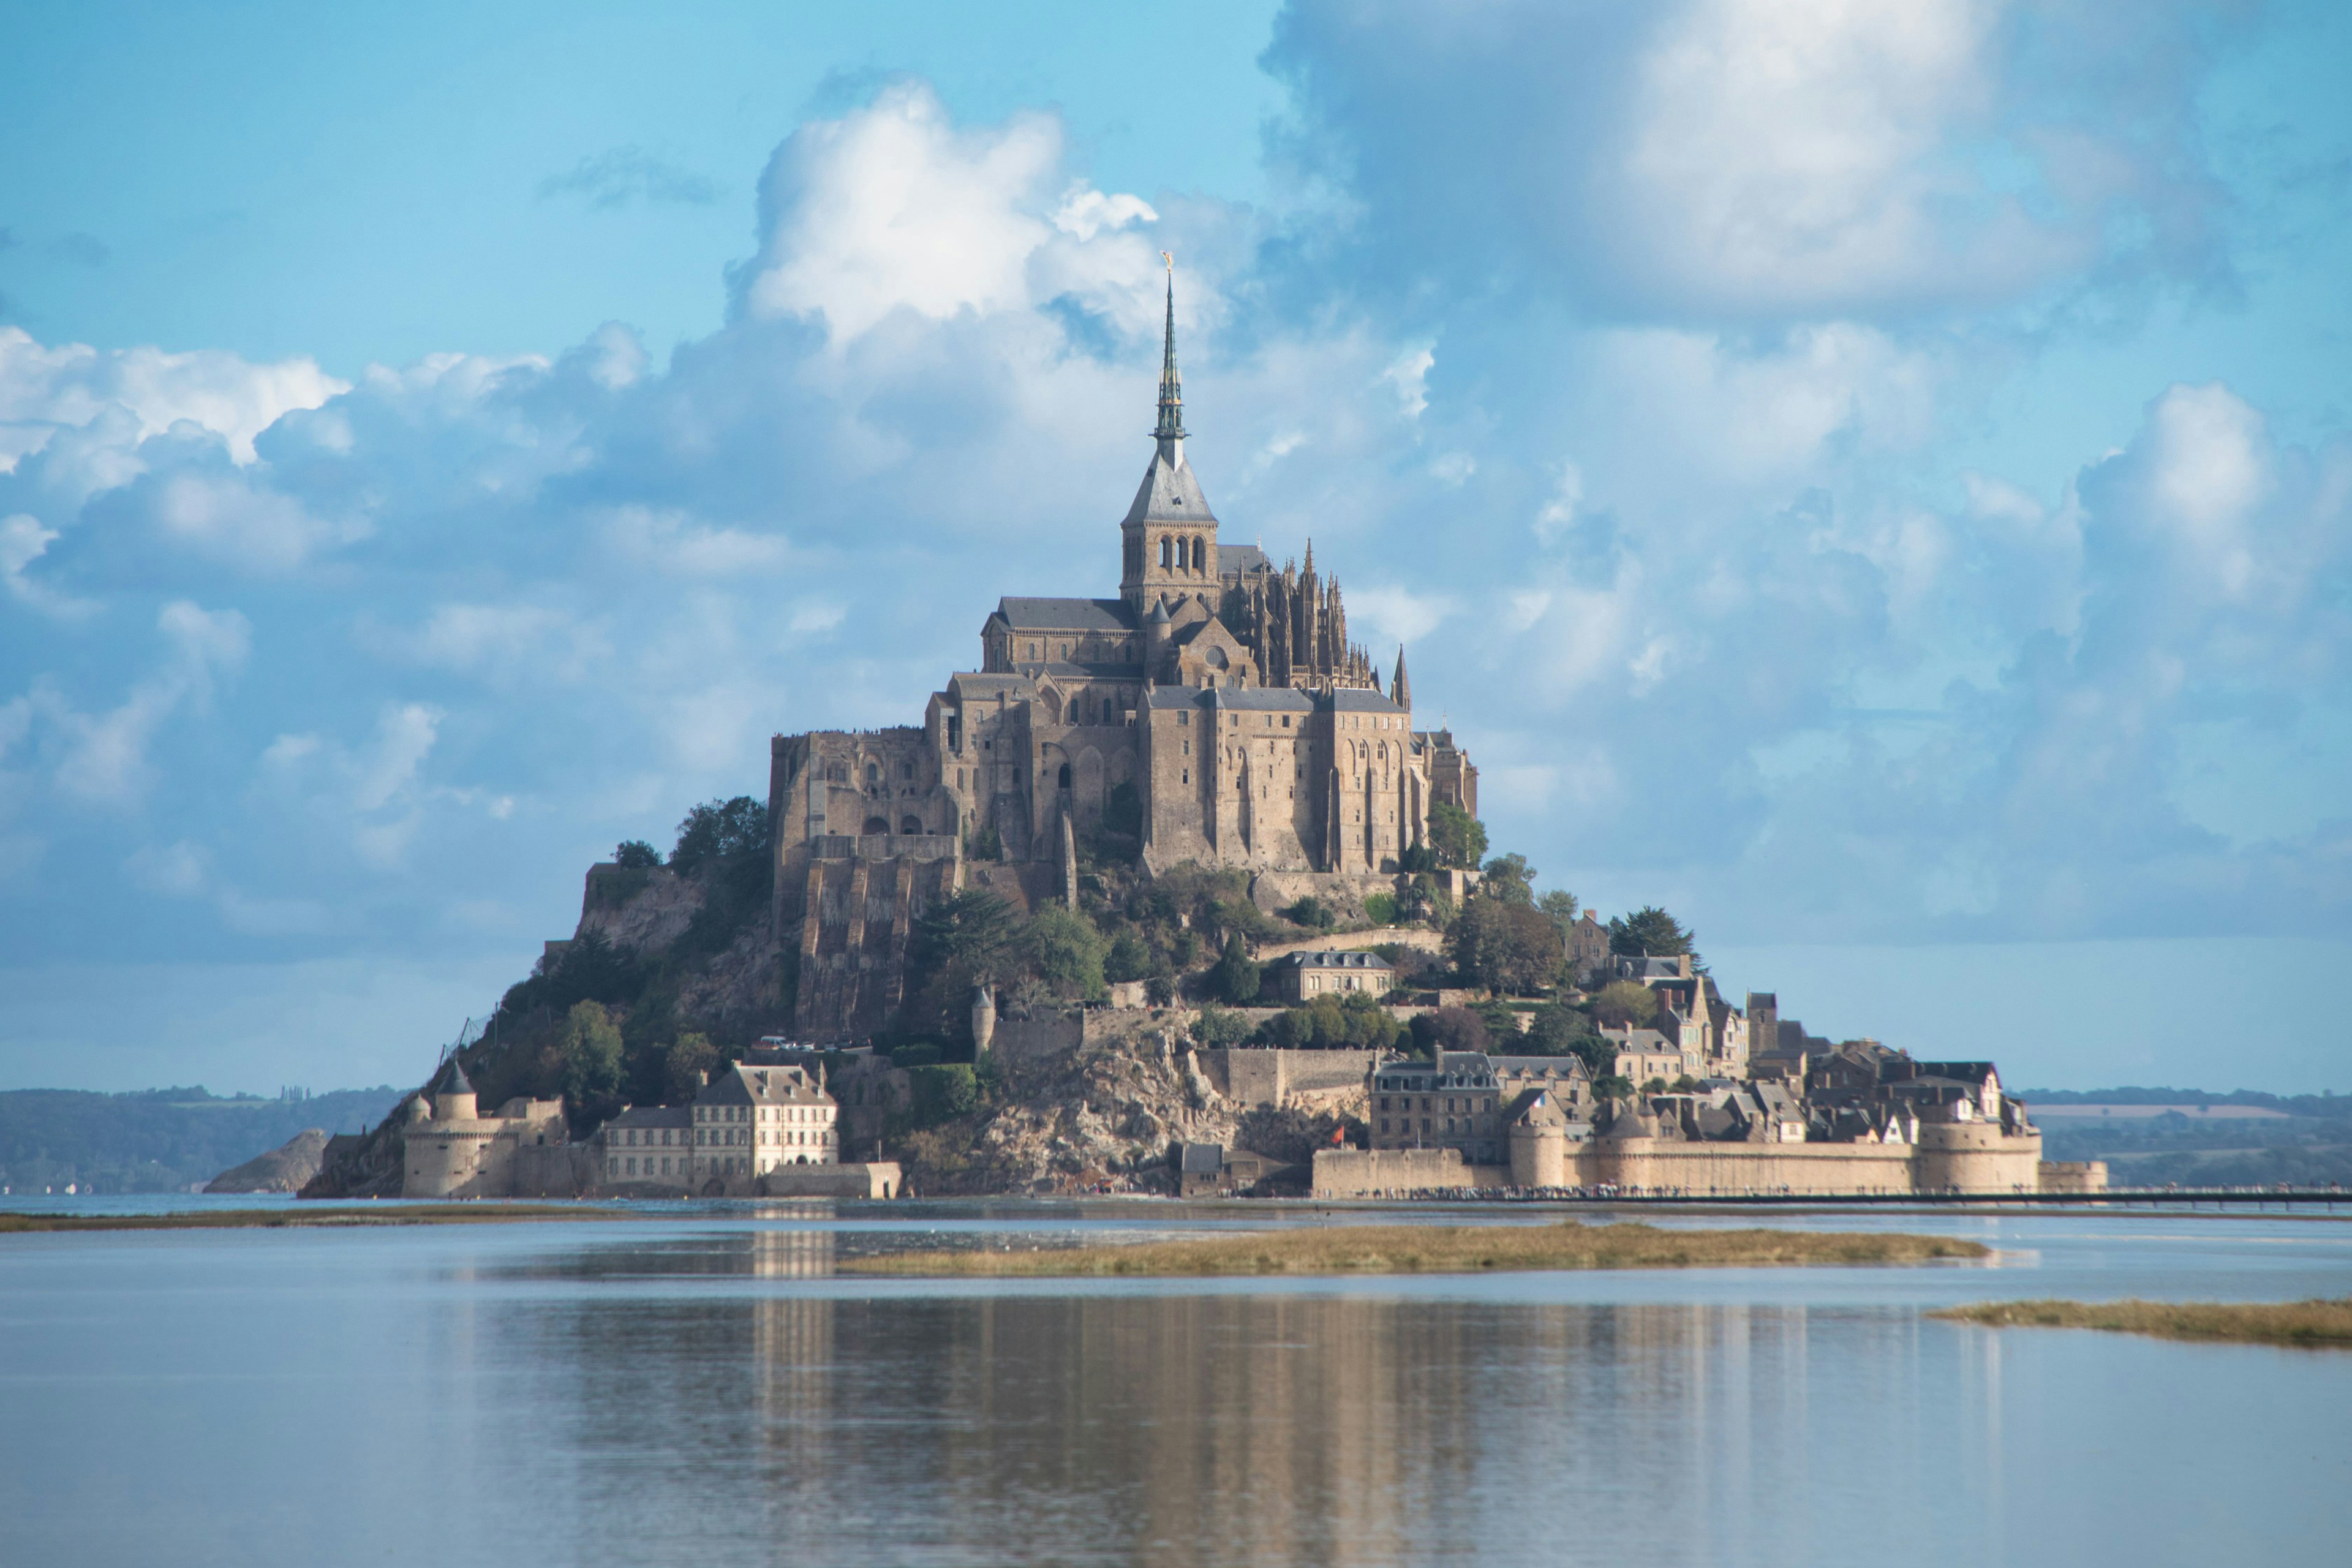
(702, 1388)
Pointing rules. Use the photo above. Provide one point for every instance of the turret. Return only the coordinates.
(455, 1100)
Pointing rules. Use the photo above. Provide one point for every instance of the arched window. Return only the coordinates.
(1063, 778)
(873, 773)
(1166, 547)
(1200, 555)
(911, 825)
(877, 825)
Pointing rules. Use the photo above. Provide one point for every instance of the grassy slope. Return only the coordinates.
(2316, 1323)
(1435, 1249)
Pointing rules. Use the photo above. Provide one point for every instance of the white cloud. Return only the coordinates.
(892, 206)
(44, 390)
(102, 757)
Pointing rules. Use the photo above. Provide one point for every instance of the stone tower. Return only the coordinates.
(1169, 538)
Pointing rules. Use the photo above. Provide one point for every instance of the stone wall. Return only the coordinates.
(1422, 938)
(1038, 1038)
(1966, 1159)
(1367, 1173)
(1251, 1076)
(2073, 1175)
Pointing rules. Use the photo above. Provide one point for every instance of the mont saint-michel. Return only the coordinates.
(1169, 895)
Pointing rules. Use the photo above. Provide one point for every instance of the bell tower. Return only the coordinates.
(1169, 538)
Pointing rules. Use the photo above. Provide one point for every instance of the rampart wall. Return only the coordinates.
(1947, 1159)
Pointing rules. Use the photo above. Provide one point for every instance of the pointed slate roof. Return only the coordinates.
(1170, 493)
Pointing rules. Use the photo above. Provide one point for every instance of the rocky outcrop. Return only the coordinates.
(1107, 1111)
(641, 908)
(289, 1168)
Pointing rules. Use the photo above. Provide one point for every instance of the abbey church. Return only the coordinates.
(1215, 711)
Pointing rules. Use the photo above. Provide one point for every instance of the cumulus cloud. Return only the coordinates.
(46, 390)
(1694, 587)
(1742, 159)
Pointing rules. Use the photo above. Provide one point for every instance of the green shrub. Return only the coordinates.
(916, 1054)
(1312, 912)
(942, 1092)
(1218, 1027)
(1381, 909)
(1330, 1023)
(1129, 959)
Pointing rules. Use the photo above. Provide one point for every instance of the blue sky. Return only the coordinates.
(1875, 479)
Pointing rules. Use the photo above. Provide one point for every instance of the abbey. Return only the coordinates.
(1215, 711)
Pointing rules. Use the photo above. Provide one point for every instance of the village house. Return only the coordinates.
(1301, 977)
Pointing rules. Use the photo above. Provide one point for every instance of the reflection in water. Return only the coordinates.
(706, 1391)
(1244, 1427)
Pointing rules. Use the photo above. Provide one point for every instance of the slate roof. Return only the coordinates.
(1355, 699)
(1237, 558)
(1334, 960)
(968, 684)
(1203, 1159)
(1026, 615)
(763, 1086)
(653, 1116)
(1259, 699)
(1170, 494)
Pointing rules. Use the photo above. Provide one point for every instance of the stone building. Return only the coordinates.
(747, 1123)
(1216, 710)
(1299, 977)
(450, 1150)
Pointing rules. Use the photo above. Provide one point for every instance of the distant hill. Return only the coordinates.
(2319, 1105)
(159, 1139)
(2309, 1143)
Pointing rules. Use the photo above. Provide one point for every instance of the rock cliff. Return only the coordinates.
(289, 1168)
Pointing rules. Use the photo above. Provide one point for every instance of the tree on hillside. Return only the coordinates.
(1560, 908)
(1456, 838)
(591, 1047)
(686, 1066)
(635, 855)
(972, 929)
(1560, 1030)
(1506, 946)
(1215, 1026)
(1650, 931)
(1351, 1022)
(1061, 947)
(721, 830)
(1448, 1029)
(1625, 1002)
(1237, 977)
(1508, 877)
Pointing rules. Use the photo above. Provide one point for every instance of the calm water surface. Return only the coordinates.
(700, 1388)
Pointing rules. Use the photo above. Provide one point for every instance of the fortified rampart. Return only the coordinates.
(1964, 1158)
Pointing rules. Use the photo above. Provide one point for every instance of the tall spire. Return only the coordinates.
(1401, 690)
(1170, 431)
